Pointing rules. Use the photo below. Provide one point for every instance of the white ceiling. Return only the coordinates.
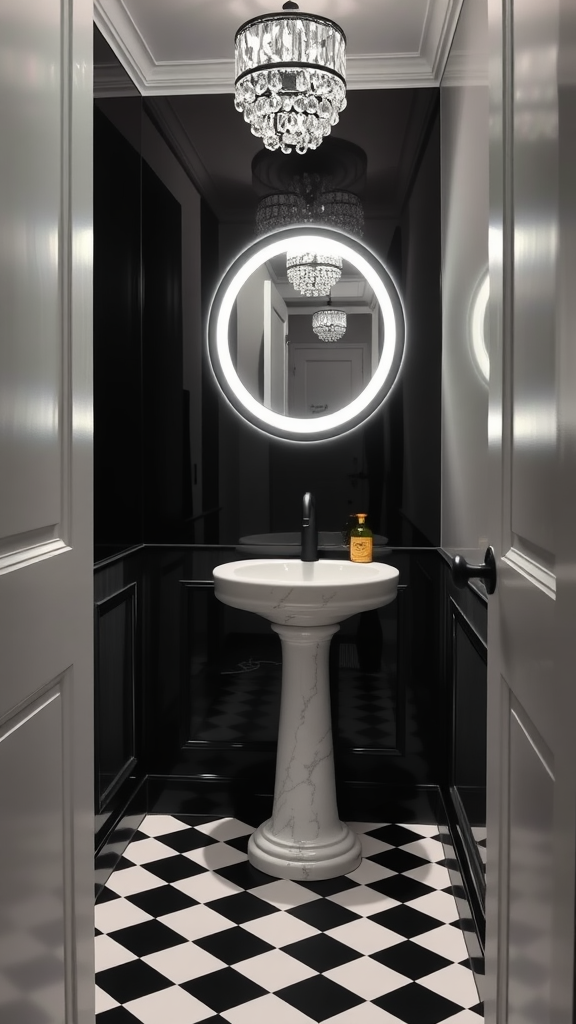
(185, 47)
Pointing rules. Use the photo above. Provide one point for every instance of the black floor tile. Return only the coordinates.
(411, 960)
(319, 997)
(130, 981)
(417, 1005)
(479, 1008)
(398, 860)
(173, 869)
(321, 952)
(328, 886)
(323, 914)
(233, 945)
(223, 989)
(105, 895)
(118, 1015)
(242, 907)
(401, 888)
(396, 835)
(241, 843)
(147, 937)
(163, 900)
(406, 921)
(186, 839)
(244, 875)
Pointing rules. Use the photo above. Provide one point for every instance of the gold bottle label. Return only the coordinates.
(360, 549)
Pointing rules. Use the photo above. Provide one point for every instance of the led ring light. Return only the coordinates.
(324, 241)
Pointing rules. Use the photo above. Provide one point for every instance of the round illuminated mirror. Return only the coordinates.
(306, 333)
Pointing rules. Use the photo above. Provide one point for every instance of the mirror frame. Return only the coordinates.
(310, 239)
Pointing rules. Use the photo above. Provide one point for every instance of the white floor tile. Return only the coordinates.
(109, 953)
(131, 880)
(196, 922)
(207, 887)
(367, 978)
(160, 825)
(441, 905)
(274, 970)
(183, 962)
(265, 1010)
(370, 871)
(284, 894)
(371, 846)
(217, 856)
(280, 929)
(366, 1013)
(115, 914)
(104, 1001)
(456, 983)
(446, 941)
(363, 826)
(144, 851)
(434, 875)
(365, 936)
(170, 1004)
(225, 829)
(429, 849)
(422, 830)
(363, 900)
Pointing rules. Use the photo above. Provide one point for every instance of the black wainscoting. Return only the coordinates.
(464, 771)
(118, 697)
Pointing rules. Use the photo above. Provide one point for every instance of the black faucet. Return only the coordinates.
(309, 529)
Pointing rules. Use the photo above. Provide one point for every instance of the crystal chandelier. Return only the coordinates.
(280, 210)
(290, 77)
(329, 324)
(312, 273)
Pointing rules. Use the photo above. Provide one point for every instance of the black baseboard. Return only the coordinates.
(117, 832)
(356, 801)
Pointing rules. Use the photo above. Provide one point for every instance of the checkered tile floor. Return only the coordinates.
(188, 931)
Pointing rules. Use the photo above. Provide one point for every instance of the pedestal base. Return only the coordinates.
(302, 862)
(304, 839)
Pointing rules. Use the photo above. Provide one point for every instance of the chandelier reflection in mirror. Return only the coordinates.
(312, 202)
(290, 78)
(312, 273)
(329, 324)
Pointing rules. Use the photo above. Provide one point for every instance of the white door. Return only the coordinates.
(46, 773)
(324, 378)
(275, 358)
(532, 616)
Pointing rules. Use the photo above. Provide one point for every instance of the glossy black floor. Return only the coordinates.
(237, 693)
(188, 931)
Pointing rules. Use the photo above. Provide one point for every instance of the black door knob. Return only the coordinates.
(462, 571)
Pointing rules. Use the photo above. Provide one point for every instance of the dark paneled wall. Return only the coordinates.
(141, 476)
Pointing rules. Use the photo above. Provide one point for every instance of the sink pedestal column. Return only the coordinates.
(304, 838)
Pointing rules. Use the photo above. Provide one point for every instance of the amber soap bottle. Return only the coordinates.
(361, 540)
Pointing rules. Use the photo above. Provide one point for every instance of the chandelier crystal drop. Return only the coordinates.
(290, 78)
(312, 274)
(329, 324)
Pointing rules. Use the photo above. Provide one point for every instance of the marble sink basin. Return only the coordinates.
(295, 593)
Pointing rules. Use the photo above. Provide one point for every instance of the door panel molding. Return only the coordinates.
(535, 573)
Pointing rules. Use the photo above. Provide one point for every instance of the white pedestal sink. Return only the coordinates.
(305, 601)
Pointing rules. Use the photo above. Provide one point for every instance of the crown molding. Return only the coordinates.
(110, 80)
(438, 33)
(182, 78)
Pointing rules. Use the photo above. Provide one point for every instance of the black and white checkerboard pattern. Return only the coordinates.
(188, 931)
